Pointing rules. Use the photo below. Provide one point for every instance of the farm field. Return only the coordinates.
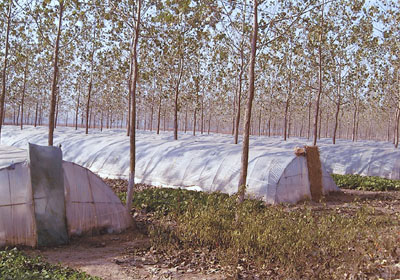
(356, 237)
(207, 139)
(352, 233)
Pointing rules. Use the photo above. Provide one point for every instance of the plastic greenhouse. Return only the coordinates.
(45, 200)
(275, 175)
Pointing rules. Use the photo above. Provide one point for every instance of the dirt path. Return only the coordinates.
(112, 256)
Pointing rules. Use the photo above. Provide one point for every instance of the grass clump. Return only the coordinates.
(294, 241)
(366, 183)
(16, 265)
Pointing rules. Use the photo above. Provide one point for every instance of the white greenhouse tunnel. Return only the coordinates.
(204, 163)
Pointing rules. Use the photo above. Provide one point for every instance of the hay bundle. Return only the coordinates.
(314, 172)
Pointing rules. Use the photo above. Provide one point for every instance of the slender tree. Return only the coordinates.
(5, 61)
(133, 85)
(250, 97)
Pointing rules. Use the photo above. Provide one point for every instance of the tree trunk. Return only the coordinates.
(396, 145)
(234, 111)
(353, 138)
(57, 103)
(285, 120)
(164, 115)
(259, 123)
(159, 115)
(151, 116)
(145, 120)
(88, 98)
(55, 75)
(178, 82)
(101, 120)
(4, 72)
(327, 125)
(238, 99)
(186, 118)
(319, 124)
(17, 117)
(269, 124)
(336, 120)
(202, 114)
(209, 121)
(36, 113)
(23, 93)
(319, 77)
(194, 121)
(77, 107)
(309, 119)
(246, 135)
(132, 136)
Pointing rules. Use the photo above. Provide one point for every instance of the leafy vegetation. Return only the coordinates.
(275, 240)
(16, 265)
(366, 183)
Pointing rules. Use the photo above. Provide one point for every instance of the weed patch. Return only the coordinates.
(276, 241)
(366, 183)
(15, 265)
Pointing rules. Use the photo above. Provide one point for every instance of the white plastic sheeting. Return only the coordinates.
(91, 206)
(17, 220)
(369, 158)
(206, 163)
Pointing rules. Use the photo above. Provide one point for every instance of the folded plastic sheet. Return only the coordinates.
(48, 193)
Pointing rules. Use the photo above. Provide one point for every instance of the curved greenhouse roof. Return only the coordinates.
(203, 163)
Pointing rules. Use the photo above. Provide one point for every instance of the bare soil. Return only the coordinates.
(129, 255)
(119, 256)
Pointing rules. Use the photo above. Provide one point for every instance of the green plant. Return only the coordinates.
(294, 240)
(16, 265)
(367, 183)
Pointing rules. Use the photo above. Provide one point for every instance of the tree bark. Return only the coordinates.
(285, 119)
(238, 100)
(151, 115)
(209, 120)
(55, 75)
(246, 135)
(90, 85)
(57, 103)
(186, 119)
(336, 120)
(23, 93)
(202, 114)
(396, 145)
(319, 77)
(178, 82)
(77, 107)
(259, 123)
(194, 121)
(132, 136)
(159, 115)
(36, 113)
(234, 111)
(4, 72)
(353, 138)
(319, 124)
